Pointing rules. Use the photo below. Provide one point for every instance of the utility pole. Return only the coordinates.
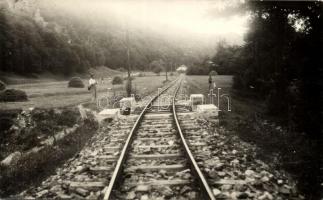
(129, 86)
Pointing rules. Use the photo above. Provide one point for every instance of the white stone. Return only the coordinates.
(41, 193)
(108, 114)
(183, 102)
(265, 196)
(142, 188)
(128, 102)
(196, 96)
(13, 157)
(82, 112)
(208, 109)
(196, 99)
(249, 173)
(265, 179)
(144, 197)
(216, 192)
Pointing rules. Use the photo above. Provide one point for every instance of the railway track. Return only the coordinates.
(144, 156)
(87, 174)
(156, 162)
(167, 152)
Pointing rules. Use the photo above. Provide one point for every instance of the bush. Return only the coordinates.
(13, 95)
(68, 117)
(117, 80)
(76, 82)
(197, 70)
(7, 118)
(141, 74)
(5, 124)
(157, 70)
(2, 86)
(34, 167)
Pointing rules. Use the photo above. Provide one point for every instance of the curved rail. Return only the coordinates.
(206, 190)
(122, 157)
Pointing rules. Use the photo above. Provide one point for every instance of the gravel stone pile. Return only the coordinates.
(231, 166)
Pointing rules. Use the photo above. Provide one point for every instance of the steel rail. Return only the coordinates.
(204, 186)
(123, 154)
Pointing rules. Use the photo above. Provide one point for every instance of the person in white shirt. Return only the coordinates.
(92, 87)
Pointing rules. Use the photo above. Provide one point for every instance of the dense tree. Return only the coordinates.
(226, 59)
(5, 45)
(157, 66)
(64, 44)
(281, 62)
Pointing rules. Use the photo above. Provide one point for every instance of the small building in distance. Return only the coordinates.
(181, 69)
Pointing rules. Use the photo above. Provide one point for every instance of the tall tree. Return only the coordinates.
(283, 63)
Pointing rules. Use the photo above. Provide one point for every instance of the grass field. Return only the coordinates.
(50, 94)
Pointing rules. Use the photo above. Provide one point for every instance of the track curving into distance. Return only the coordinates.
(156, 156)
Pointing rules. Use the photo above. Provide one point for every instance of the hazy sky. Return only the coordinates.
(190, 17)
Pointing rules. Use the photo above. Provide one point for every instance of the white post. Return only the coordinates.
(219, 99)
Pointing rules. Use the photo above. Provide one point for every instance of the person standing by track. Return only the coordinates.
(92, 87)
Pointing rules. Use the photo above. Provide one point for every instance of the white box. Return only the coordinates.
(128, 102)
(208, 109)
(109, 114)
(196, 99)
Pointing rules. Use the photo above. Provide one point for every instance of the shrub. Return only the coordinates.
(157, 70)
(36, 166)
(76, 82)
(117, 80)
(7, 118)
(196, 70)
(141, 74)
(2, 86)
(238, 82)
(13, 95)
(5, 124)
(28, 138)
(68, 117)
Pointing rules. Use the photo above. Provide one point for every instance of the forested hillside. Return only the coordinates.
(280, 64)
(282, 61)
(44, 37)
